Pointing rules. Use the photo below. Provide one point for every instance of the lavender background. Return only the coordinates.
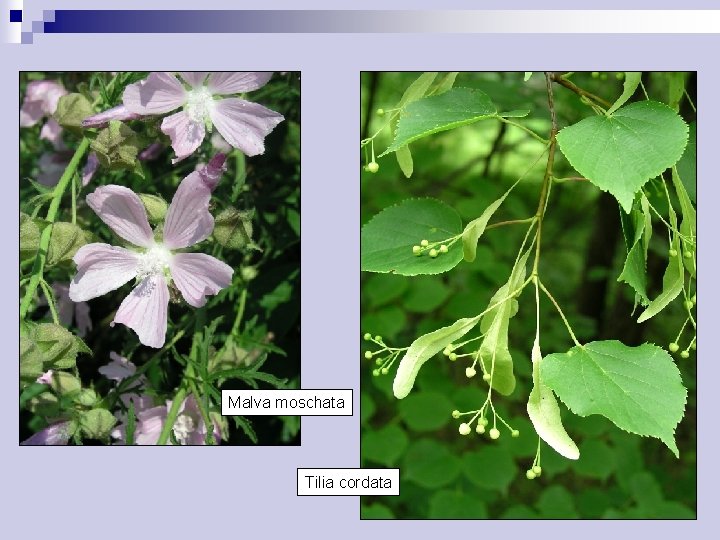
(148, 492)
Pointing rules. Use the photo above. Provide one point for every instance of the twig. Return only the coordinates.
(579, 91)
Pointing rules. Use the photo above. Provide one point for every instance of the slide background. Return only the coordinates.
(148, 492)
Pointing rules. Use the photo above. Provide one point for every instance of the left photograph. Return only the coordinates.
(159, 255)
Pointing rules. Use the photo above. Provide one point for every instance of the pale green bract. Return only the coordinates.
(544, 413)
(639, 224)
(452, 109)
(387, 240)
(474, 230)
(619, 153)
(639, 389)
(630, 84)
(424, 348)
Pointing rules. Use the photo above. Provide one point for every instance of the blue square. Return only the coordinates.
(16, 15)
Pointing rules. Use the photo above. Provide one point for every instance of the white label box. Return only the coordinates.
(350, 482)
(287, 402)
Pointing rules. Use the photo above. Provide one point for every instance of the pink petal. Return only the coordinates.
(194, 78)
(234, 82)
(102, 119)
(197, 275)
(55, 434)
(91, 166)
(145, 311)
(52, 131)
(244, 124)
(160, 93)
(150, 423)
(101, 268)
(184, 134)
(123, 211)
(220, 144)
(45, 378)
(188, 220)
(52, 166)
(118, 369)
(31, 113)
(151, 152)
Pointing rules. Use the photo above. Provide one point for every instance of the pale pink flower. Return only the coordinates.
(52, 165)
(46, 377)
(41, 99)
(55, 434)
(118, 368)
(243, 124)
(103, 268)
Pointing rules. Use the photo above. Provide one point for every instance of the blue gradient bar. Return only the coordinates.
(379, 21)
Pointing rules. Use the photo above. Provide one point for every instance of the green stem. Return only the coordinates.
(173, 412)
(525, 129)
(39, 265)
(560, 311)
(51, 300)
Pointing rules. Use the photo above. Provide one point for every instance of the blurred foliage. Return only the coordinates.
(443, 474)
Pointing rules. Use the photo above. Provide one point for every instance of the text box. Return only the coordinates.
(349, 482)
(287, 402)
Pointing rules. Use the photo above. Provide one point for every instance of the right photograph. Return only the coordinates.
(528, 294)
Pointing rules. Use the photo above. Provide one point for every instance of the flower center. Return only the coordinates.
(153, 262)
(199, 103)
(183, 427)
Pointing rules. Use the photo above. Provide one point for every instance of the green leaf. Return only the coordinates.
(155, 206)
(455, 108)
(474, 230)
(384, 446)
(633, 272)
(430, 464)
(630, 84)
(31, 359)
(676, 89)
(117, 147)
(424, 348)
(688, 226)
(490, 467)
(234, 229)
(29, 236)
(417, 89)
(427, 293)
(672, 279)
(387, 240)
(494, 351)
(639, 389)
(97, 423)
(448, 504)
(687, 166)
(544, 413)
(446, 83)
(72, 109)
(65, 240)
(64, 383)
(597, 461)
(376, 511)
(405, 160)
(619, 153)
(57, 346)
(425, 411)
(556, 502)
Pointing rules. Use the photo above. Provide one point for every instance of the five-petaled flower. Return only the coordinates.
(243, 124)
(103, 268)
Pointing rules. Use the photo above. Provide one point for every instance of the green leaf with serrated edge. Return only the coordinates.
(65, 240)
(639, 388)
(673, 278)
(455, 108)
(417, 89)
(474, 230)
(687, 166)
(97, 423)
(630, 84)
(405, 160)
(621, 152)
(117, 146)
(31, 360)
(494, 352)
(633, 272)
(688, 226)
(387, 240)
(544, 413)
(424, 348)
(29, 235)
(58, 346)
(446, 83)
